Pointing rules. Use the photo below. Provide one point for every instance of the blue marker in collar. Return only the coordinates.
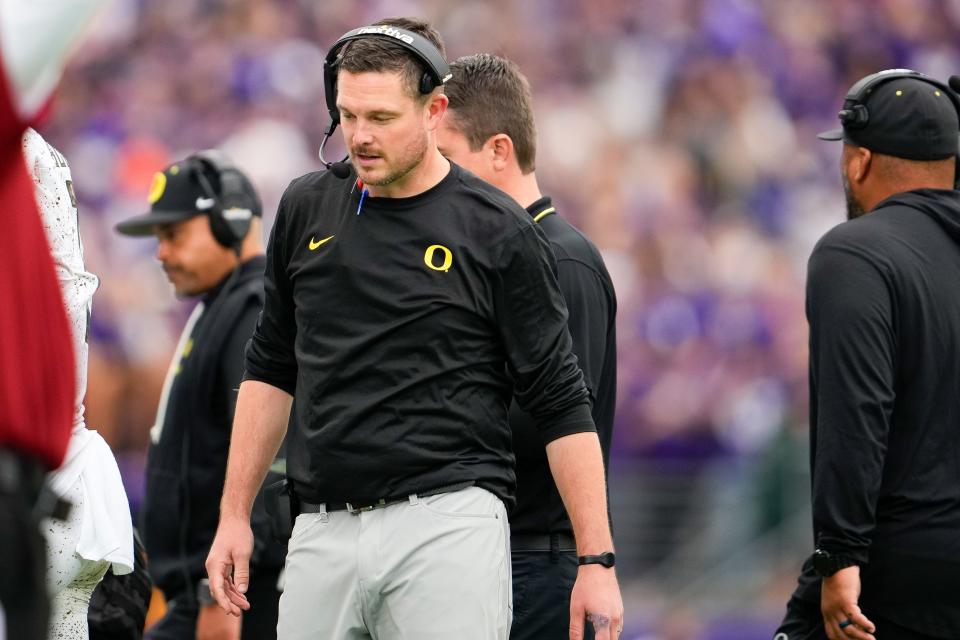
(363, 196)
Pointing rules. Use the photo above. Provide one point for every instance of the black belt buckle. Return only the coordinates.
(360, 508)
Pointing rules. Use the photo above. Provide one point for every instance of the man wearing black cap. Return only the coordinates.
(884, 407)
(206, 217)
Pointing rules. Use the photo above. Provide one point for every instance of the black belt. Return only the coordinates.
(542, 542)
(379, 503)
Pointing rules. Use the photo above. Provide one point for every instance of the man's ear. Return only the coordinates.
(499, 147)
(436, 107)
(859, 165)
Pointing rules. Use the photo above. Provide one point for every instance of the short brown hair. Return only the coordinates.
(489, 95)
(380, 54)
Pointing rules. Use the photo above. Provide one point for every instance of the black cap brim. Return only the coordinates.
(833, 134)
(143, 225)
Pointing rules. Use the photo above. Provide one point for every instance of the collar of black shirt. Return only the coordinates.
(541, 208)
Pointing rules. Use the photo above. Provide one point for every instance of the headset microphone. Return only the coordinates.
(338, 169)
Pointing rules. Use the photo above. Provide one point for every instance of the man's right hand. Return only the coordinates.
(228, 564)
(842, 617)
(214, 624)
(596, 598)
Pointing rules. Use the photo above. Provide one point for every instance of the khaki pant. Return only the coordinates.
(430, 568)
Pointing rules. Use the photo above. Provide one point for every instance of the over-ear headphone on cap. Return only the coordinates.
(855, 114)
(436, 74)
(232, 207)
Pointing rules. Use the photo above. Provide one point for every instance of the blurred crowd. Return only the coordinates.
(679, 135)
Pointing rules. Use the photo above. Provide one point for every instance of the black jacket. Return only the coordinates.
(394, 326)
(187, 465)
(592, 305)
(883, 302)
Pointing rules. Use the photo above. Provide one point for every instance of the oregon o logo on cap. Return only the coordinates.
(447, 257)
(157, 186)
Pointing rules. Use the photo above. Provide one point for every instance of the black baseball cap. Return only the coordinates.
(176, 194)
(906, 115)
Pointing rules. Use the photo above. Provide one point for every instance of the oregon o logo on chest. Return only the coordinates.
(443, 262)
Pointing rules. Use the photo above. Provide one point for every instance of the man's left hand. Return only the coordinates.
(838, 603)
(596, 598)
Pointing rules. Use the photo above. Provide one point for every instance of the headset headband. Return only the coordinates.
(214, 158)
(859, 91)
(438, 71)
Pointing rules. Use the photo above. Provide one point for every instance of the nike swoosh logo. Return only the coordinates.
(205, 203)
(316, 243)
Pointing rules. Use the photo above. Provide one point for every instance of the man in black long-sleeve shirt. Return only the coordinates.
(489, 130)
(401, 311)
(884, 319)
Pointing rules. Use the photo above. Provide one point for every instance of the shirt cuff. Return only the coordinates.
(287, 384)
(575, 420)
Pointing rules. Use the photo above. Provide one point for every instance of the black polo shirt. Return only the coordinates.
(402, 326)
(592, 306)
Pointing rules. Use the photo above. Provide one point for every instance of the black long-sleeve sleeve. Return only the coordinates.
(270, 354)
(591, 305)
(852, 373)
(532, 319)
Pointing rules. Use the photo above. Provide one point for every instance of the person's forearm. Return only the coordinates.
(577, 467)
(259, 426)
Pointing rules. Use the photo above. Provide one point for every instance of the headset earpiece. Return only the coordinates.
(230, 209)
(856, 117)
(426, 84)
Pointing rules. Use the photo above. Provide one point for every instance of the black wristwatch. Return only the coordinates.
(606, 559)
(826, 564)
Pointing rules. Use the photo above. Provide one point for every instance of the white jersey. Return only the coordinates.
(58, 211)
(104, 516)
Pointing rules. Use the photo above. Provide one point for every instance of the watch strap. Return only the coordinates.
(606, 559)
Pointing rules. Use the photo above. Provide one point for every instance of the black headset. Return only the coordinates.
(855, 115)
(232, 207)
(436, 74)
